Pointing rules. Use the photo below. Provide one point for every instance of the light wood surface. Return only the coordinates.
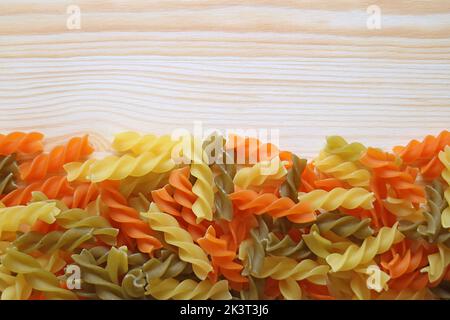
(307, 68)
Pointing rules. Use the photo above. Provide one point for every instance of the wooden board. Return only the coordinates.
(306, 68)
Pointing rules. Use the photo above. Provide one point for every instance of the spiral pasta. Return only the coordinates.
(118, 168)
(8, 172)
(290, 187)
(260, 173)
(337, 145)
(216, 218)
(424, 154)
(356, 255)
(21, 142)
(11, 218)
(438, 263)
(226, 170)
(43, 164)
(344, 225)
(223, 259)
(54, 188)
(343, 170)
(203, 186)
(188, 290)
(250, 201)
(386, 169)
(104, 280)
(282, 268)
(444, 156)
(37, 277)
(338, 197)
(178, 237)
(431, 229)
(129, 220)
(139, 144)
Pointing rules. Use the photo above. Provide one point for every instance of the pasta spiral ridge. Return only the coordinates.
(82, 195)
(168, 265)
(344, 225)
(53, 187)
(344, 170)
(128, 219)
(259, 173)
(290, 187)
(252, 251)
(118, 168)
(431, 228)
(358, 255)
(68, 240)
(444, 157)
(337, 145)
(338, 197)
(281, 268)
(226, 170)
(37, 277)
(43, 164)
(11, 218)
(285, 247)
(438, 263)
(403, 263)
(223, 259)
(188, 290)
(105, 280)
(133, 186)
(248, 150)
(180, 238)
(424, 154)
(250, 201)
(165, 200)
(385, 167)
(139, 144)
(13, 287)
(203, 186)
(8, 172)
(21, 142)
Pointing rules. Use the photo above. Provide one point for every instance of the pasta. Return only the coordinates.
(128, 219)
(343, 170)
(338, 197)
(8, 171)
(12, 218)
(103, 280)
(226, 170)
(344, 225)
(21, 142)
(424, 154)
(291, 186)
(188, 289)
(356, 255)
(223, 259)
(260, 173)
(164, 217)
(54, 188)
(178, 237)
(430, 229)
(444, 156)
(203, 186)
(53, 162)
(37, 277)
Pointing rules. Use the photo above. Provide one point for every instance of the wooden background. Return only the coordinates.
(307, 68)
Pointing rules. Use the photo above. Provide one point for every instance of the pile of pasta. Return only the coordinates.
(223, 218)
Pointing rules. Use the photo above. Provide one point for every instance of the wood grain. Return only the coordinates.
(307, 68)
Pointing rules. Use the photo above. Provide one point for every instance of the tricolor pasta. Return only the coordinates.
(223, 218)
